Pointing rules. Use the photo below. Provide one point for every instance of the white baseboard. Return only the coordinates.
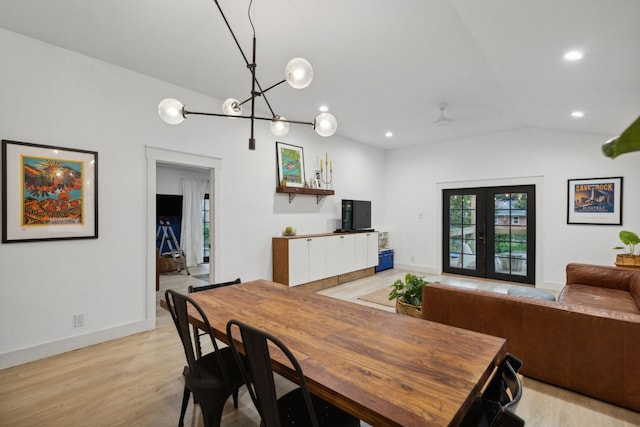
(417, 268)
(40, 351)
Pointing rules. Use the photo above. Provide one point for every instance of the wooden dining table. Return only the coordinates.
(384, 368)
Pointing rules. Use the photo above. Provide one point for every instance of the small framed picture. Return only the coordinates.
(595, 201)
(48, 193)
(290, 165)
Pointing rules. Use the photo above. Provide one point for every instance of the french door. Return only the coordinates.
(490, 232)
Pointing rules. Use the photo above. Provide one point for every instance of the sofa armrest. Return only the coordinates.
(601, 276)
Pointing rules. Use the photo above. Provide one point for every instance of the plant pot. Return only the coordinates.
(408, 309)
(628, 261)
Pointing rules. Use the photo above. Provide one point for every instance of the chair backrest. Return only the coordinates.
(178, 306)
(505, 387)
(215, 285)
(500, 398)
(259, 379)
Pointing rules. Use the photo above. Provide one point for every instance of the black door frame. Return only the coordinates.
(485, 233)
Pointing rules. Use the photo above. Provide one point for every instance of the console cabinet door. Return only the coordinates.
(366, 250)
(372, 249)
(307, 260)
(317, 258)
(298, 261)
(340, 254)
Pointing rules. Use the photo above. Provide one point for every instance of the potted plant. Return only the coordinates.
(630, 257)
(408, 295)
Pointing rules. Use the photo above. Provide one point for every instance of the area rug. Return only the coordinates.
(381, 296)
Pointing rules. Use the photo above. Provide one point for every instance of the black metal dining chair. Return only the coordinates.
(296, 408)
(496, 406)
(197, 332)
(211, 378)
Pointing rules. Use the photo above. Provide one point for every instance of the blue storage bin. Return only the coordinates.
(385, 259)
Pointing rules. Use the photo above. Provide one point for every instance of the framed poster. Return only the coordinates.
(595, 201)
(290, 165)
(48, 193)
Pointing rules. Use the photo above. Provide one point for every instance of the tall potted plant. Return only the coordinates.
(408, 295)
(630, 257)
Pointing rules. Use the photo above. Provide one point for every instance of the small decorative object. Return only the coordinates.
(408, 295)
(48, 193)
(630, 256)
(289, 231)
(290, 165)
(327, 169)
(595, 201)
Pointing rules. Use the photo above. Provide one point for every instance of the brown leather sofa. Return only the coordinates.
(588, 341)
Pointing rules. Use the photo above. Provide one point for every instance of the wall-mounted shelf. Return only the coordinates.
(294, 191)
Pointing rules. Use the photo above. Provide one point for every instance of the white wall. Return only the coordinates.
(169, 178)
(56, 97)
(530, 156)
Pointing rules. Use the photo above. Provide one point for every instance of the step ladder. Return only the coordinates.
(176, 252)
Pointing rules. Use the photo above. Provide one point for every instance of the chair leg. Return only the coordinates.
(212, 409)
(235, 398)
(185, 402)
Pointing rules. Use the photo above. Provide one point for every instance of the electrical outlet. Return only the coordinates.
(413, 259)
(78, 320)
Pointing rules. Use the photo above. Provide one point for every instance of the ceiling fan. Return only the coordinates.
(442, 120)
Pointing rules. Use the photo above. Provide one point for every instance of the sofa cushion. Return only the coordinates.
(602, 298)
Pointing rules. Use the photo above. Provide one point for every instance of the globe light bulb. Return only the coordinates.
(325, 124)
(278, 127)
(298, 73)
(232, 107)
(171, 111)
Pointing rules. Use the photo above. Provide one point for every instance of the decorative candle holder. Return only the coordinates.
(326, 172)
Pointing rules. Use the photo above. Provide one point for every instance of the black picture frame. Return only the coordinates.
(48, 193)
(595, 201)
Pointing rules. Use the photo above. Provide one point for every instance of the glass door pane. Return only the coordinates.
(464, 245)
(510, 242)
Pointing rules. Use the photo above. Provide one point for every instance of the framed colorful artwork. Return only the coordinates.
(290, 165)
(595, 201)
(48, 193)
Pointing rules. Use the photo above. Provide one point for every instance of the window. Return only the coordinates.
(206, 222)
(515, 220)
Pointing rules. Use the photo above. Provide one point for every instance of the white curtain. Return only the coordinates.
(193, 192)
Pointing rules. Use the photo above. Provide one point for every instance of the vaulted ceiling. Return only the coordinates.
(378, 65)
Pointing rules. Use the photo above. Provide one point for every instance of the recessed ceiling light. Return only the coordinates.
(388, 134)
(323, 108)
(577, 114)
(573, 55)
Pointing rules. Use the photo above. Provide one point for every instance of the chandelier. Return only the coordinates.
(298, 73)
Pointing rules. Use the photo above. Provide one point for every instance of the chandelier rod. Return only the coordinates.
(251, 67)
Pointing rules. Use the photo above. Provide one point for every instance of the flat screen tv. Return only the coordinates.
(168, 205)
(356, 215)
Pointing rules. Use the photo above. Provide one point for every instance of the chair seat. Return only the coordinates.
(211, 369)
(294, 413)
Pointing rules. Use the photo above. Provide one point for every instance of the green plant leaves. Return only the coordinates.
(627, 142)
(630, 239)
(409, 291)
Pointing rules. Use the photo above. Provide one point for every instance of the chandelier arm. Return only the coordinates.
(251, 67)
(267, 119)
(232, 33)
(270, 119)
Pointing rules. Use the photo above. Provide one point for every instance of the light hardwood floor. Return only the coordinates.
(136, 380)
